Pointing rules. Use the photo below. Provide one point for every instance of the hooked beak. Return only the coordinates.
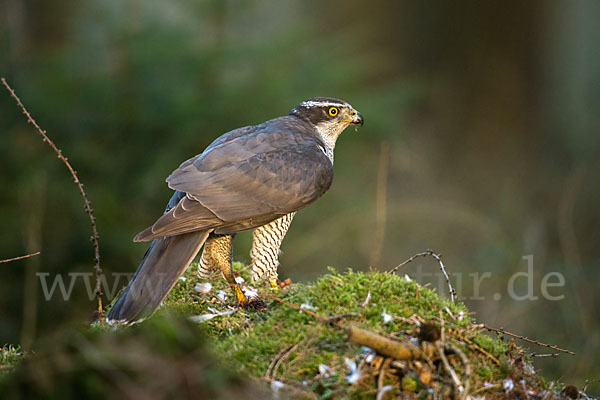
(357, 118)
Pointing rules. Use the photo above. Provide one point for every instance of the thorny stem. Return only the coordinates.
(438, 257)
(87, 205)
(550, 346)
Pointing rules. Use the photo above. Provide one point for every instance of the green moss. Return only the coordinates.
(494, 346)
(9, 356)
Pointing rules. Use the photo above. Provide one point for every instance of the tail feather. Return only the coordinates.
(164, 262)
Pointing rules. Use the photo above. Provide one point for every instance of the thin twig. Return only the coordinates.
(275, 359)
(441, 350)
(380, 379)
(438, 257)
(464, 360)
(297, 307)
(87, 205)
(20, 257)
(283, 358)
(586, 384)
(337, 318)
(553, 355)
(485, 388)
(481, 350)
(550, 346)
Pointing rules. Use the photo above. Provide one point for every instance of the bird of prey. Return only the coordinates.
(255, 177)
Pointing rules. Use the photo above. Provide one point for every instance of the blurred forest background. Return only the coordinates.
(482, 134)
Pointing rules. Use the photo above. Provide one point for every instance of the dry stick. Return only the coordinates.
(384, 365)
(439, 260)
(283, 358)
(586, 384)
(553, 355)
(441, 344)
(87, 205)
(501, 330)
(304, 310)
(389, 347)
(481, 350)
(275, 359)
(20, 257)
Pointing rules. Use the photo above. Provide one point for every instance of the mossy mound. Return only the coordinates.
(295, 350)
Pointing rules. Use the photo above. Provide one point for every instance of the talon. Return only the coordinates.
(284, 284)
(274, 282)
(239, 295)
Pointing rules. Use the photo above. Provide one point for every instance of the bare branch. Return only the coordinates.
(20, 257)
(438, 257)
(550, 346)
(87, 205)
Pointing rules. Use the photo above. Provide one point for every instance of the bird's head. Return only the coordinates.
(329, 116)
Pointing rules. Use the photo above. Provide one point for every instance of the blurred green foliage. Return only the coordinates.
(489, 109)
(163, 358)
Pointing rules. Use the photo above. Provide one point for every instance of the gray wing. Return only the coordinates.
(247, 180)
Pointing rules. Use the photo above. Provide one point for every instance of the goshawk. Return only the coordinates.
(255, 177)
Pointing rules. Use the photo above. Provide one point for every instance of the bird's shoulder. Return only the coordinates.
(279, 135)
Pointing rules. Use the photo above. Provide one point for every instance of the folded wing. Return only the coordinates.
(246, 182)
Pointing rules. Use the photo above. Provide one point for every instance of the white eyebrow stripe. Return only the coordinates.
(323, 104)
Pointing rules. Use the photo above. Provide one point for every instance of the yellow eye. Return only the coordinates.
(333, 111)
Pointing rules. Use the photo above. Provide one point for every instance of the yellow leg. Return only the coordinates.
(217, 253)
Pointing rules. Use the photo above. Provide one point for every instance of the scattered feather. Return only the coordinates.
(354, 375)
(528, 368)
(369, 354)
(407, 278)
(366, 302)
(182, 278)
(202, 318)
(206, 317)
(386, 317)
(249, 291)
(324, 370)
(276, 385)
(239, 280)
(222, 295)
(205, 287)
(306, 306)
(508, 385)
(383, 390)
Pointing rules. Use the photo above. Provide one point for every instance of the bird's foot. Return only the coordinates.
(277, 284)
(239, 295)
